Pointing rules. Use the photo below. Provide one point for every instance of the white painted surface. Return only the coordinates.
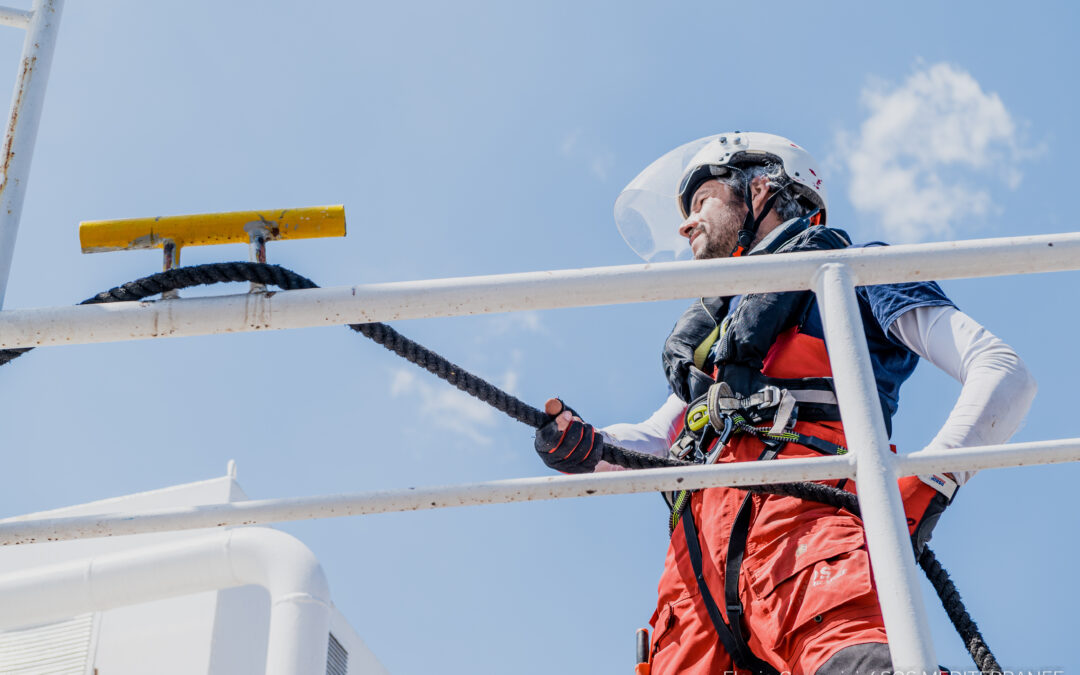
(177, 633)
(16, 18)
(494, 492)
(56, 526)
(910, 643)
(529, 291)
(362, 661)
(194, 630)
(60, 648)
(278, 562)
(42, 25)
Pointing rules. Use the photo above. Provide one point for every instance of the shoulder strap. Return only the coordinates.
(690, 340)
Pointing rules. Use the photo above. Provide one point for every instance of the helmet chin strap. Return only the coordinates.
(752, 223)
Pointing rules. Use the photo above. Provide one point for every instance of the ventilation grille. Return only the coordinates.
(337, 659)
(60, 648)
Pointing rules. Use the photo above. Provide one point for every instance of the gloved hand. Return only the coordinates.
(565, 442)
(924, 504)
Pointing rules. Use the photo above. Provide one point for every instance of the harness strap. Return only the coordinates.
(686, 446)
(736, 646)
(721, 397)
(740, 530)
(815, 396)
(766, 434)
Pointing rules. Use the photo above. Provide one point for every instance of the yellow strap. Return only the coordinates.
(702, 351)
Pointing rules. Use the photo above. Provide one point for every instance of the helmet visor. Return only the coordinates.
(647, 210)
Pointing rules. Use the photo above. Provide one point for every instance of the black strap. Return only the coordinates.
(735, 647)
(819, 445)
(740, 530)
(730, 635)
(752, 222)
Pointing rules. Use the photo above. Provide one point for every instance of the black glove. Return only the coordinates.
(576, 450)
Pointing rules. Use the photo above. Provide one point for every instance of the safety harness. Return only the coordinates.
(707, 441)
(742, 400)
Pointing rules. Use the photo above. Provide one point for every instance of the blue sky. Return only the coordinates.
(480, 138)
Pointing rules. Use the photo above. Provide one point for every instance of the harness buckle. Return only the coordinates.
(770, 397)
(682, 447)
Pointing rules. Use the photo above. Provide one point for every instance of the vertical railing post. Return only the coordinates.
(891, 555)
(22, 126)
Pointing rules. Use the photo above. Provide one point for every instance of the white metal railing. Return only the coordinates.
(41, 24)
(16, 18)
(833, 276)
(264, 511)
(120, 321)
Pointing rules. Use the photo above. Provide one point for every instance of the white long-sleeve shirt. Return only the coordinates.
(995, 395)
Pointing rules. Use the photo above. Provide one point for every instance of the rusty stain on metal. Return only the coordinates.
(9, 154)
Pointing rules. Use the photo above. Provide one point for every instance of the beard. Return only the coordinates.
(718, 247)
(719, 241)
(721, 231)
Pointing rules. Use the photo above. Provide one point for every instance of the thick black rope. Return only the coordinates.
(262, 273)
(961, 620)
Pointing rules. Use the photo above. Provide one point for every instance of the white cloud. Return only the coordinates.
(402, 382)
(922, 159)
(443, 406)
(510, 380)
(569, 143)
(512, 322)
(601, 164)
(599, 161)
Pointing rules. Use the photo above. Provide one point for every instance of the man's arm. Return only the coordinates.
(997, 388)
(652, 437)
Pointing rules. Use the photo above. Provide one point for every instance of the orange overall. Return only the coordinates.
(805, 582)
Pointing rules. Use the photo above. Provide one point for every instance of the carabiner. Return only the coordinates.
(721, 439)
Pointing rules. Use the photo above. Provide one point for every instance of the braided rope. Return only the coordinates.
(266, 274)
(961, 620)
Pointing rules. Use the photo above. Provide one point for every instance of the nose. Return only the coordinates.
(688, 225)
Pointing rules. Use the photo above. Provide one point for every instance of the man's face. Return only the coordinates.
(715, 219)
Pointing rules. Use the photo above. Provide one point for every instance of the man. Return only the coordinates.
(785, 584)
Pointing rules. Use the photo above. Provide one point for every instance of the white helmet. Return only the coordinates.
(646, 211)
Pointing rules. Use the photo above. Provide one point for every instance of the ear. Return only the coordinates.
(760, 188)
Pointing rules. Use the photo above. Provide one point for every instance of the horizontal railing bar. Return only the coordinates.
(27, 530)
(989, 457)
(16, 18)
(529, 291)
(24, 530)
